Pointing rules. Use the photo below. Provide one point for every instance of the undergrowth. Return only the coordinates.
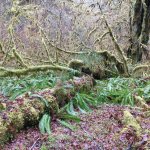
(14, 87)
(121, 90)
(114, 90)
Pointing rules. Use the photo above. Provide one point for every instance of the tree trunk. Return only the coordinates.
(27, 110)
(140, 29)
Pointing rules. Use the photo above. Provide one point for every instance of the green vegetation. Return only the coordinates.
(14, 87)
(67, 66)
(121, 90)
(114, 90)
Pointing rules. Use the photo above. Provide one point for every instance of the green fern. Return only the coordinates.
(14, 87)
(44, 124)
(66, 124)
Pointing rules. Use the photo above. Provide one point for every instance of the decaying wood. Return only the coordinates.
(27, 110)
(4, 72)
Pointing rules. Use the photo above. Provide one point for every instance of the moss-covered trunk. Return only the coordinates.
(140, 29)
(27, 110)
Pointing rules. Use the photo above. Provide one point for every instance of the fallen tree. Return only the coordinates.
(73, 66)
(28, 109)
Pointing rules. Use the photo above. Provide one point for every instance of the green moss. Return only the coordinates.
(16, 119)
(75, 64)
(31, 114)
(129, 120)
(3, 132)
(2, 106)
(53, 104)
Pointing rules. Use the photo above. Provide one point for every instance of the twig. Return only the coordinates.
(34, 144)
(19, 58)
(91, 32)
(101, 37)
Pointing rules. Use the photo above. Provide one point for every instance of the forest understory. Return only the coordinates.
(112, 116)
(74, 75)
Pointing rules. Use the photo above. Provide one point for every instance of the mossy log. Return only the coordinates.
(27, 110)
(4, 72)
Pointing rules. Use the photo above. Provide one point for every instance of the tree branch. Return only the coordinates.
(4, 72)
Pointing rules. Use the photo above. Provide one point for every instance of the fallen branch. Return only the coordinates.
(4, 72)
(143, 68)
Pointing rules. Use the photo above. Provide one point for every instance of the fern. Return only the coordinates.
(121, 90)
(44, 124)
(66, 124)
(14, 87)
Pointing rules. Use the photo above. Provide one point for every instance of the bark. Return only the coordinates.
(27, 110)
(140, 29)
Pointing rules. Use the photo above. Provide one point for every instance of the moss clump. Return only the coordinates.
(61, 95)
(53, 104)
(3, 132)
(130, 121)
(16, 118)
(76, 64)
(32, 115)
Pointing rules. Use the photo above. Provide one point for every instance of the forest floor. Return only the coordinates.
(103, 128)
(100, 129)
